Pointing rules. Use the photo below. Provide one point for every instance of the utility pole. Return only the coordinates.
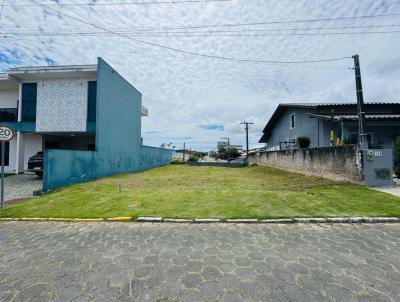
(247, 137)
(332, 132)
(184, 147)
(362, 136)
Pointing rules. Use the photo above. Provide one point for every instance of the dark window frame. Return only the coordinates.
(8, 115)
(92, 101)
(292, 121)
(29, 94)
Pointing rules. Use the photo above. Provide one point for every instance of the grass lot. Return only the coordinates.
(188, 192)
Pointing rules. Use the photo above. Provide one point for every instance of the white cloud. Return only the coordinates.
(183, 92)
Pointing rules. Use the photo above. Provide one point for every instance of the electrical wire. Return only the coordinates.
(185, 51)
(138, 32)
(1, 8)
(278, 22)
(197, 34)
(118, 3)
(175, 55)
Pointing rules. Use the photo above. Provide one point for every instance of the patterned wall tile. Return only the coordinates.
(62, 105)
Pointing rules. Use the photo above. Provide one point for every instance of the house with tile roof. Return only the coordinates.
(316, 120)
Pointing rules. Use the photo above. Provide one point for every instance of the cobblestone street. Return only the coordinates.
(21, 186)
(194, 262)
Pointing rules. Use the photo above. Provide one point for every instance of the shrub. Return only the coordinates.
(176, 160)
(303, 141)
(396, 154)
(193, 159)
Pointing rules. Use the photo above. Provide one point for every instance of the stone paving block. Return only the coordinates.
(56, 261)
(21, 186)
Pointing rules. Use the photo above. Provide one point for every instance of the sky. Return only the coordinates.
(198, 99)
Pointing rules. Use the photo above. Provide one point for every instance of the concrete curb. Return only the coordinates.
(149, 219)
(206, 220)
(329, 220)
(120, 219)
(177, 220)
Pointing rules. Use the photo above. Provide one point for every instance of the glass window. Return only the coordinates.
(92, 92)
(8, 115)
(29, 97)
(6, 154)
(292, 121)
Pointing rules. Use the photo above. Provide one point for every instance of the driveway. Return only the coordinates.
(188, 262)
(21, 186)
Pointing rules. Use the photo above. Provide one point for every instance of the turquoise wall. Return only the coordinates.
(151, 156)
(118, 138)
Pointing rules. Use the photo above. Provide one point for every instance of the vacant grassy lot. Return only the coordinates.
(188, 192)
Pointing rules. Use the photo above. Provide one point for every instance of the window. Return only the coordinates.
(353, 139)
(6, 154)
(8, 115)
(292, 121)
(29, 97)
(92, 92)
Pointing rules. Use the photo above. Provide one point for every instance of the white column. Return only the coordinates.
(20, 152)
(20, 102)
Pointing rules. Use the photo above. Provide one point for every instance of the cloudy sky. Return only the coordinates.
(197, 99)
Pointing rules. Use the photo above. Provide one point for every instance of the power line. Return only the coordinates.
(176, 56)
(217, 25)
(200, 34)
(281, 22)
(138, 30)
(1, 8)
(116, 3)
(189, 52)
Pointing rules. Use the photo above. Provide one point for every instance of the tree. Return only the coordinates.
(224, 151)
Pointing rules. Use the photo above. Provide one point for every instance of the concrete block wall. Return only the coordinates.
(338, 163)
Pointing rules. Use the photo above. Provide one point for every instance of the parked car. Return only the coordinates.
(239, 160)
(35, 164)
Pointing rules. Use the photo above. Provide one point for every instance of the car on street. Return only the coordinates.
(35, 164)
(239, 160)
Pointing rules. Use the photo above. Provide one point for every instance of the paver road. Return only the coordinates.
(188, 262)
(21, 186)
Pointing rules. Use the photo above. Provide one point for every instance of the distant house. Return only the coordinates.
(314, 120)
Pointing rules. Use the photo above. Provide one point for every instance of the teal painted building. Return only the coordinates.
(85, 119)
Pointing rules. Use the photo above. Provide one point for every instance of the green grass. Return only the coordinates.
(188, 192)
